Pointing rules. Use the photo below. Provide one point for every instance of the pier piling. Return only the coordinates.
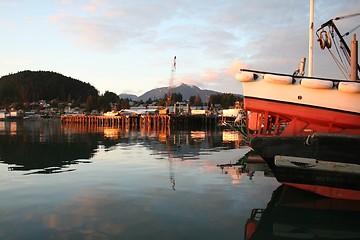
(144, 121)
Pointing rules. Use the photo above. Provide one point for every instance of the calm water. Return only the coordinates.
(59, 182)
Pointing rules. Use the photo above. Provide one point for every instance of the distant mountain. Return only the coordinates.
(186, 91)
(129, 96)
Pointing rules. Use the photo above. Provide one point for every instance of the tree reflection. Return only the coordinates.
(50, 147)
(45, 147)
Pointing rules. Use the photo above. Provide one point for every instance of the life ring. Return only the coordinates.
(349, 87)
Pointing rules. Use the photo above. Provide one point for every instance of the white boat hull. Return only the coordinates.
(298, 94)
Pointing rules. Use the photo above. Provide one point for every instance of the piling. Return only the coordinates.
(181, 122)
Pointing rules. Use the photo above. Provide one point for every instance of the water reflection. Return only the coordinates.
(295, 214)
(250, 164)
(43, 146)
(49, 147)
(140, 184)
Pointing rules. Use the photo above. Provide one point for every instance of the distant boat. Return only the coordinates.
(13, 115)
(292, 119)
(3, 115)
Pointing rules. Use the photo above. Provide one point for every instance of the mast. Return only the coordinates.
(354, 59)
(311, 38)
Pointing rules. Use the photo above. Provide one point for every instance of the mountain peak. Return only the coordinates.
(186, 91)
(129, 96)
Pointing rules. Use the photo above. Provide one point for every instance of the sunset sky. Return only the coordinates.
(127, 46)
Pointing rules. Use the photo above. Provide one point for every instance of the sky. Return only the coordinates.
(128, 46)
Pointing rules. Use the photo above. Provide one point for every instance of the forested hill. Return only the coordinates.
(29, 86)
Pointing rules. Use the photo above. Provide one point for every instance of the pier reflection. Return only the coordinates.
(247, 166)
(46, 147)
(296, 214)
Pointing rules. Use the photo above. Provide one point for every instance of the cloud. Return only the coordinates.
(229, 30)
(106, 25)
(94, 6)
(90, 8)
(93, 33)
(220, 79)
(266, 35)
(235, 67)
(184, 25)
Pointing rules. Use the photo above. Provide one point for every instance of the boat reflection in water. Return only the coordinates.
(297, 214)
(250, 163)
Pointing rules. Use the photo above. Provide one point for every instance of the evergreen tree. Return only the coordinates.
(226, 100)
(30, 86)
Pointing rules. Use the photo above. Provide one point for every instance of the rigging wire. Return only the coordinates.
(340, 66)
(337, 49)
(343, 57)
(347, 16)
(350, 31)
(340, 62)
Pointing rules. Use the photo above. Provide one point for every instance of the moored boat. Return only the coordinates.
(301, 109)
(294, 104)
(307, 128)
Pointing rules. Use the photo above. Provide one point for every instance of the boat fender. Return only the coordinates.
(278, 79)
(246, 76)
(349, 87)
(316, 83)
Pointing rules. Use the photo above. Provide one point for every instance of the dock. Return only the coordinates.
(181, 122)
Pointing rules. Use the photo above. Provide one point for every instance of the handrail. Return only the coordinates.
(294, 76)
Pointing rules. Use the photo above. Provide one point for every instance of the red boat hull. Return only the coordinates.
(303, 119)
(338, 193)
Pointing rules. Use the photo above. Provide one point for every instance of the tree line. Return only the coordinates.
(21, 89)
(224, 100)
(29, 86)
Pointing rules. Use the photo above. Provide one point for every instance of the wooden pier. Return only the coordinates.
(145, 121)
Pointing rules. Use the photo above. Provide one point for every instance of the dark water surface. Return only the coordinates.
(62, 182)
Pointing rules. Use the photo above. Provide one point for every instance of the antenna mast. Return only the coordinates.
(311, 39)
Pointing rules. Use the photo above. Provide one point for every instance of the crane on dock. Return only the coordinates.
(171, 81)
